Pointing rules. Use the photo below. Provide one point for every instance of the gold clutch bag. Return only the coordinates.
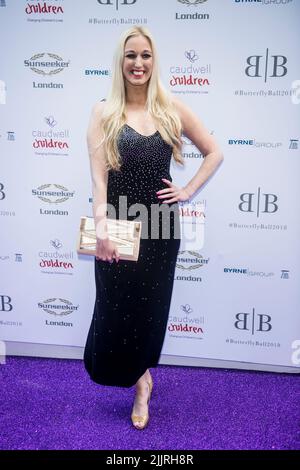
(125, 233)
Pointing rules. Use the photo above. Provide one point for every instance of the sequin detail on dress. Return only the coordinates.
(133, 298)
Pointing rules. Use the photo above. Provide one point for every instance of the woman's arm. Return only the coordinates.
(98, 169)
(193, 128)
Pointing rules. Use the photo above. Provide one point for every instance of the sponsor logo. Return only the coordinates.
(56, 260)
(248, 272)
(258, 203)
(43, 8)
(117, 3)
(186, 324)
(97, 72)
(46, 64)
(5, 303)
(194, 15)
(47, 85)
(57, 306)
(263, 2)
(266, 66)
(52, 141)
(56, 195)
(294, 144)
(2, 193)
(285, 274)
(189, 262)
(254, 143)
(116, 6)
(190, 78)
(254, 324)
(11, 136)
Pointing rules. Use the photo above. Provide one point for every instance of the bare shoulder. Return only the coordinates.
(185, 113)
(194, 128)
(97, 110)
(95, 129)
(180, 107)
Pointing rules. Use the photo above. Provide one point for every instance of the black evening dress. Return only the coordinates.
(133, 298)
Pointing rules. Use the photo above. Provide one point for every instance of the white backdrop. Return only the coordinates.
(236, 292)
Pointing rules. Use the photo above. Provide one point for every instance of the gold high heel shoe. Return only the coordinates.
(140, 422)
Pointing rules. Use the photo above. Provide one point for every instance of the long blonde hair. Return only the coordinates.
(158, 104)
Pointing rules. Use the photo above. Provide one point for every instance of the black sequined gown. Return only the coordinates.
(133, 298)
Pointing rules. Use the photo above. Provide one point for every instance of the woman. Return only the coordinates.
(131, 139)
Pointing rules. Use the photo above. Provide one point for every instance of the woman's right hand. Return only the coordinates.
(106, 250)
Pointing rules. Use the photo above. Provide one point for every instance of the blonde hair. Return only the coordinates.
(159, 105)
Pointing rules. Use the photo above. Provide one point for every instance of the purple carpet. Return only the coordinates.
(52, 404)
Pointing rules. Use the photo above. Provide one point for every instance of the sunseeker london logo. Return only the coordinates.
(193, 14)
(46, 65)
(57, 306)
(53, 194)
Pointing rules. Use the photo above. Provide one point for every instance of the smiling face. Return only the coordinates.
(138, 61)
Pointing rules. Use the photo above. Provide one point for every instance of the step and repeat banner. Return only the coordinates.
(235, 63)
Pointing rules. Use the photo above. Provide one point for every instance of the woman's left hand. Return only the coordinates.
(173, 192)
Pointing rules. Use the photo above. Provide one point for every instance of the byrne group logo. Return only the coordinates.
(46, 63)
(55, 259)
(263, 2)
(97, 72)
(252, 143)
(52, 141)
(249, 272)
(192, 78)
